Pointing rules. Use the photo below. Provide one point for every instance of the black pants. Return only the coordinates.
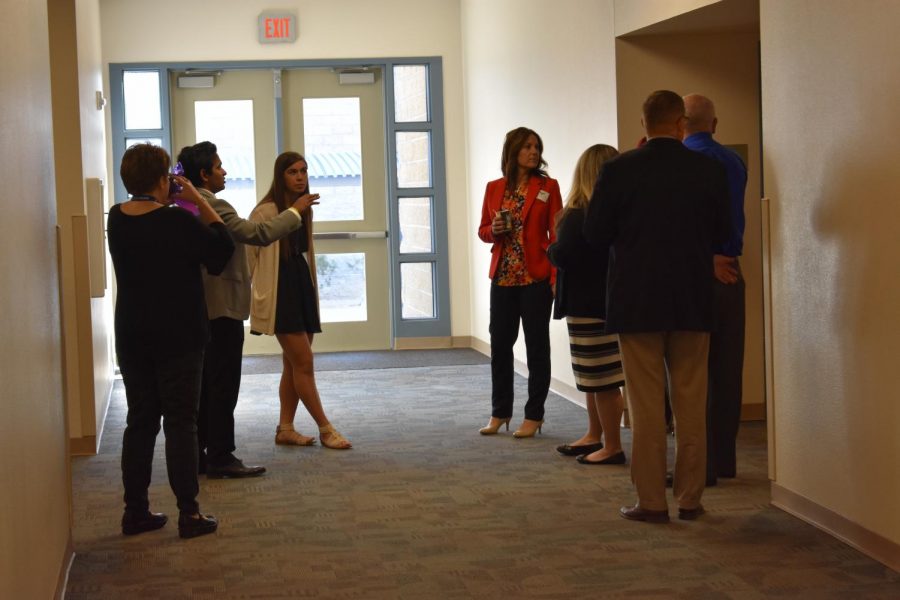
(532, 304)
(220, 388)
(167, 387)
(726, 369)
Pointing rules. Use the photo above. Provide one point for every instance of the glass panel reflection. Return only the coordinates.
(141, 91)
(415, 225)
(229, 125)
(410, 93)
(417, 290)
(342, 287)
(413, 159)
(332, 142)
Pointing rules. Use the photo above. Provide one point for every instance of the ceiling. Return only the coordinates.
(724, 16)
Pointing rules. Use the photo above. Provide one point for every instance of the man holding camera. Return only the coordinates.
(228, 305)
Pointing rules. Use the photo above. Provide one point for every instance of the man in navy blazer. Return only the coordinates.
(662, 209)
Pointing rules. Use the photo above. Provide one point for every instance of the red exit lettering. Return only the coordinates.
(278, 28)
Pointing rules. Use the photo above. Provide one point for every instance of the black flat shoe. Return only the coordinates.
(190, 526)
(616, 459)
(567, 450)
(233, 470)
(132, 523)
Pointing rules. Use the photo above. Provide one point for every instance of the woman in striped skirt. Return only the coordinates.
(581, 299)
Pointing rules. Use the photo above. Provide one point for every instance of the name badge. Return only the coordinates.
(543, 195)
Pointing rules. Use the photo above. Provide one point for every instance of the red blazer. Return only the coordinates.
(537, 216)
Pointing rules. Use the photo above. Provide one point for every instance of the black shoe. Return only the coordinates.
(636, 513)
(233, 470)
(689, 514)
(616, 459)
(133, 524)
(190, 526)
(670, 479)
(567, 450)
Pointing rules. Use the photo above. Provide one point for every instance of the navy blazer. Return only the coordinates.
(662, 209)
(581, 270)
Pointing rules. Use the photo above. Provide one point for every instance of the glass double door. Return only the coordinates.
(249, 114)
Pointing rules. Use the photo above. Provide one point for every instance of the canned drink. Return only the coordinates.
(507, 220)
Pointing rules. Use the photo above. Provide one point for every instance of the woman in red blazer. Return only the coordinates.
(517, 219)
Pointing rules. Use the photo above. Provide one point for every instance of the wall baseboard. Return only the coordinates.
(83, 446)
(63, 580)
(866, 541)
(433, 343)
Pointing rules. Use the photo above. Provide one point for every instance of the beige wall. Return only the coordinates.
(724, 67)
(34, 520)
(831, 148)
(552, 71)
(80, 152)
(345, 29)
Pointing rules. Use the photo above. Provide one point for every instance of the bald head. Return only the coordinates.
(701, 114)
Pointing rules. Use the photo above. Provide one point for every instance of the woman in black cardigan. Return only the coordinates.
(581, 299)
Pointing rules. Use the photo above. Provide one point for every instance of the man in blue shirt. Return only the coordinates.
(726, 346)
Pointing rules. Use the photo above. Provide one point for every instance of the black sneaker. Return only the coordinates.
(190, 526)
(134, 523)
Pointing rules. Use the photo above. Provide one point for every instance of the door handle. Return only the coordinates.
(350, 235)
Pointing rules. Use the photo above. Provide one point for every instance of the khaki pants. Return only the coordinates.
(647, 358)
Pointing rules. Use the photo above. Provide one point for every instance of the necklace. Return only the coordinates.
(143, 197)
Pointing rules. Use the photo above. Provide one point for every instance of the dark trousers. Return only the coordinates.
(726, 369)
(219, 391)
(168, 387)
(531, 304)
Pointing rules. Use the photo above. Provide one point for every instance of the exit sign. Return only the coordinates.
(277, 27)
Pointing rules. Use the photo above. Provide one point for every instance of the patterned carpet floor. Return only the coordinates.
(424, 507)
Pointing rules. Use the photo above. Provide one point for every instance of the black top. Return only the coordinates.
(581, 270)
(160, 306)
(661, 208)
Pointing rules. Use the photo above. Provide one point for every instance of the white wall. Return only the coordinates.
(226, 30)
(34, 518)
(831, 146)
(552, 71)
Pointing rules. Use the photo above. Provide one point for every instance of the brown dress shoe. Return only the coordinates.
(689, 514)
(636, 513)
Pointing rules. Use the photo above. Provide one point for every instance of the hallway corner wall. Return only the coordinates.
(35, 490)
(831, 149)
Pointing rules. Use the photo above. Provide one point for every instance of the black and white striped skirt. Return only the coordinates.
(596, 360)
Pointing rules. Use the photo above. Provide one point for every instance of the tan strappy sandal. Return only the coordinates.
(286, 435)
(330, 438)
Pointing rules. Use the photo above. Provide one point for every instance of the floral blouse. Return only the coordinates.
(512, 271)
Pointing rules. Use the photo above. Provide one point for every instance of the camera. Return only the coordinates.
(175, 188)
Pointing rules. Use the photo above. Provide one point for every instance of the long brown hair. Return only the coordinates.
(509, 158)
(277, 194)
(587, 170)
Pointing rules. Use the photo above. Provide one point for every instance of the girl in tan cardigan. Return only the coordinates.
(285, 301)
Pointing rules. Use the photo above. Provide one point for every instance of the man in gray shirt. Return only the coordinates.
(228, 305)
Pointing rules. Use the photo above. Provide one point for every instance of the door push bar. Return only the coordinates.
(350, 235)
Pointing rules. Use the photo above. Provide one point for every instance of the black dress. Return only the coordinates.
(297, 308)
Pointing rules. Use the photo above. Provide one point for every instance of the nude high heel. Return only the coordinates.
(493, 426)
(528, 428)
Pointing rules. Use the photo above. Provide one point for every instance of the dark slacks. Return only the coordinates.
(531, 304)
(167, 387)
(726, 368)
(220, 388)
